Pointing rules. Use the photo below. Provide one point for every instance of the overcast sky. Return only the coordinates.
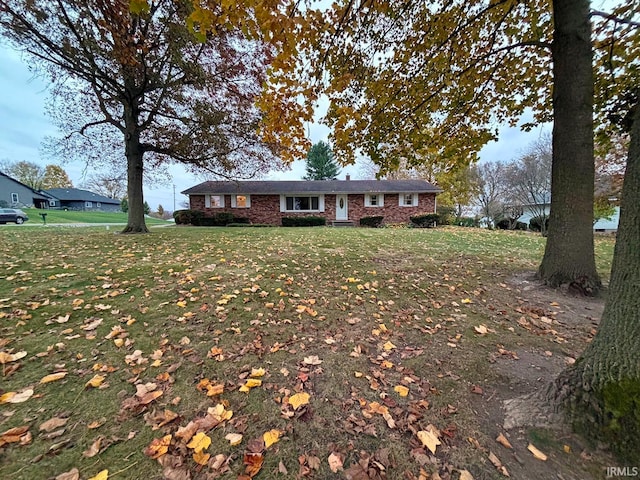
(24, 125)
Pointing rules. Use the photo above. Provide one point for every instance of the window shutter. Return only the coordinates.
(207, 201)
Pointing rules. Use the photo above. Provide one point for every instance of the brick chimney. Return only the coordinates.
(347, 177)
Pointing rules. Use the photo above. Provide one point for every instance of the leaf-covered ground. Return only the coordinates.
(282, 353)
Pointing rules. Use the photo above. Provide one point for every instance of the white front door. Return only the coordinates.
(342, 207)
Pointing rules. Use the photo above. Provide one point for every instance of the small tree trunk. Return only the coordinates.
(601, 392)
(569, 255)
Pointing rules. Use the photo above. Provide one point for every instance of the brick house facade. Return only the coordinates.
(337, 200)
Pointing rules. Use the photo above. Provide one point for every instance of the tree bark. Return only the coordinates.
(569, 254)
(601, 392)
(135, 168)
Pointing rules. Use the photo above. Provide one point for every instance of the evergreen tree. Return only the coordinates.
(321, 165)
(124, 205)
(147, 208)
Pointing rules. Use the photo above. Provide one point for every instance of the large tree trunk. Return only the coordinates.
(135, 168)
(601, 392)
(569, 255)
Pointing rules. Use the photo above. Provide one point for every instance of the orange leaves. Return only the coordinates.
(158, 447)
(210, 389)
(19, 435)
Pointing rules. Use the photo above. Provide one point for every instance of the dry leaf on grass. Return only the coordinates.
(537, 453)
(502, 440)
(271, 437)
(52, 424)
(299, 399)
(429, 438)
(53, 377)
(335, 462)
(234, 438)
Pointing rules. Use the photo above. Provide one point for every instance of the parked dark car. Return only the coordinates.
(12, 215)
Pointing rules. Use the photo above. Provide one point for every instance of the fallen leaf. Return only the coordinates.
(96, 381)
(271, 437)
(158, 447)
(257, 372)
(498, 464)
(481, 329)
(429, 439)
(52, 424)
(253, 462)
(388, 346)
(200, 457)
(103, 475)
(73, 474)
(11, 357)
(299, 399)
(234, 438)
(465, 475)
(502, 440)
(312, 360)
(94, 449)
(17, 397)
(53, 377)
(250, 383)
(199, 442)
(335, 462)
(401, 390)
(537, 453)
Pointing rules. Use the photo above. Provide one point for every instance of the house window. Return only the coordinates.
(374, 200)
(240, 201)
(302, 204)
(214, 201)
(88, 204)
(408, 199)
(52, 203)
(14, 198)
(98, 204)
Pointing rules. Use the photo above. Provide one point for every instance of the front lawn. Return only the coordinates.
(281, 353)
(85, 216)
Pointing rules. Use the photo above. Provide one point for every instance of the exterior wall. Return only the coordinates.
(80, 205)
(266, 208)
(26, 196)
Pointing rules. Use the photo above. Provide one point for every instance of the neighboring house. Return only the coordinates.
(608, 226)
(338, 201)
(78, 199)
(18, 195)
(602, 225)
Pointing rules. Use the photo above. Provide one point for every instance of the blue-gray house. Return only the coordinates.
(78, 199)
(14, 194)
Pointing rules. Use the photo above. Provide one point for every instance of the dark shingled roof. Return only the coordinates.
(312, 187)
(79, 195)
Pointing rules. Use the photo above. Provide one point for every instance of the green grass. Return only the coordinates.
(71, 216)
(266, 298)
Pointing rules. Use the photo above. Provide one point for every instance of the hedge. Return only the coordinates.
(373, 221)
(309, 221)
(425, 220)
